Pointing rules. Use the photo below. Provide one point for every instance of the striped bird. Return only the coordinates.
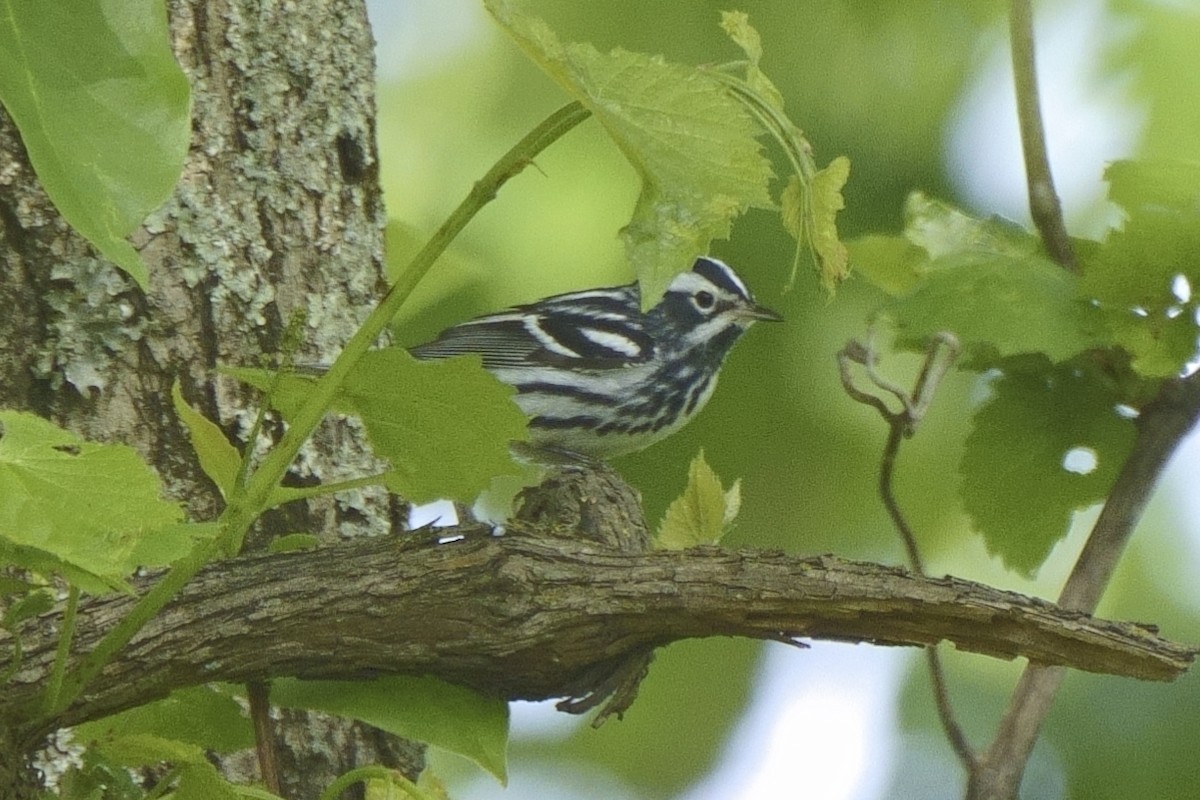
(599, 377)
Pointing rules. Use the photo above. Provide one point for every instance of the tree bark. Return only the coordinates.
(524, 617)
(278, 212)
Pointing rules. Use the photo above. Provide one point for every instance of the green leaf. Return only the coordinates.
(203, 782)
(74, 506)
(425, 709)
(1014, 482)
(736, 25)
(167, 545)
(286, 391)
(198, 716)
(692, 144)
(986, 282)
(891, 263)
(703, 513)
(445, 425)
(827, 201)
(32, 604)
(103, 110)
(1132, 277)
(140, 749)
(219, 459)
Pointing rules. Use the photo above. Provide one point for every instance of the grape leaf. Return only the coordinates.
(1014, 483)
(74, 506)
(827, 201)
(426, 709)
(103, 110)
(1133, 276)
(445, 425)
(891, 263)
(983, 280)
(692, 144)
(703, 513)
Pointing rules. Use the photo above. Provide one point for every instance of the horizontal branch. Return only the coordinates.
(522, 617)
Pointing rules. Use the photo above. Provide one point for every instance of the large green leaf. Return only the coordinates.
(1020, 483)
(1135, 277)
(691, 142)
(73, 506)
(445, 425)
(198, 716)
(103, 110)
(425, 709)
(985, 281)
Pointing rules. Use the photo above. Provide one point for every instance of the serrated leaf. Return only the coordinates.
(985, 281)
(703, 513)
(1014, 483)
(736, 25)
(445, 425)
(827, 201)
(940, 229)
(693, 145)
(426, 709)
(1154, 184)
(1133, 275)
(997, 305)
(65, 502)
(219, 459)
(198, 716)
(103, 110)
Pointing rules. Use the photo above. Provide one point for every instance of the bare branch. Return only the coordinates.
(520, 617)
(1044, 205)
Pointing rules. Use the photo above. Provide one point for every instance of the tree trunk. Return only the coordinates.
(278, 213)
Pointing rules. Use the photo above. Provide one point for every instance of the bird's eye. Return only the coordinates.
(704, 300)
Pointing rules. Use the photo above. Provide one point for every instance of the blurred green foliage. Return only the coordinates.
(879, 83)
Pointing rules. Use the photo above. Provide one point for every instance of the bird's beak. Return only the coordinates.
(759, 313)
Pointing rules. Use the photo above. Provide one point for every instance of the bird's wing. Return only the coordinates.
(534, 337)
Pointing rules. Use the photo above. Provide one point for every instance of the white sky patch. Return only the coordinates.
(820, 727)
(1088, 119)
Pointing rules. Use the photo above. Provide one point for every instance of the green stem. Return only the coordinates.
(248, 500)
(1044, 205)
(370, 773)
(309, 492)
(63, 653)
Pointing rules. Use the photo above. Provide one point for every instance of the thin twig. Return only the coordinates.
(259, 695)
(1044, 205)
(943, 350)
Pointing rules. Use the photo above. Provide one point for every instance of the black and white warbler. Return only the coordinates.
(599, 377)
